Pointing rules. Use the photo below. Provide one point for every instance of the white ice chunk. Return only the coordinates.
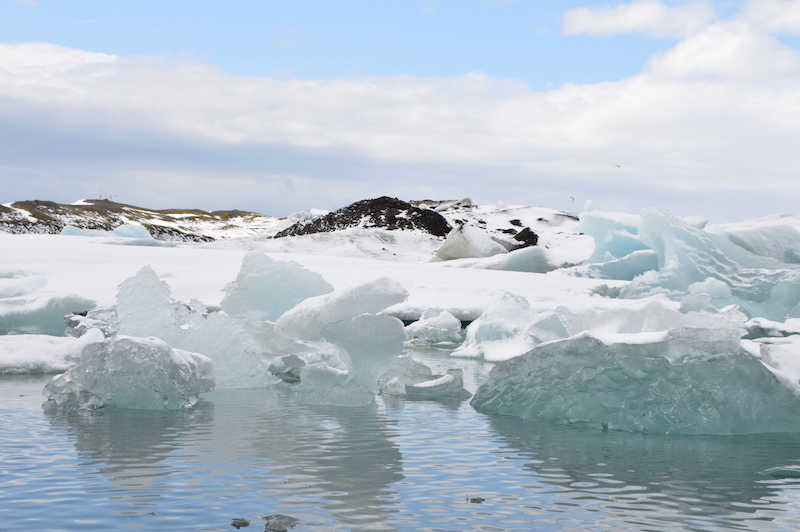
(466, 241)
(507, 328)
(684, 381)
(370, 343)
(406, 370)
(124, 231)
(448, 386)
(307, 320)
(136, 373)
(436, 326)
(39, 353)
(532, 259)
(241, 349)
(265, 288)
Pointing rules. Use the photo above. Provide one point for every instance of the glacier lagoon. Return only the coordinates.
(658, 307)
(400, 465)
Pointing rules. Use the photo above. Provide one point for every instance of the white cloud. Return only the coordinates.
(781, 16)
(728, 49)
(702, 114)
(648, 17)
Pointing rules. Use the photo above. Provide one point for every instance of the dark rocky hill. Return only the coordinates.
(47, 217)
(385, 212)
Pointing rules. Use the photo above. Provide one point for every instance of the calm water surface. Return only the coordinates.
(399, 466)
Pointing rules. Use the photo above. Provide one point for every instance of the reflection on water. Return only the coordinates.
(399, 466)
(671, 478)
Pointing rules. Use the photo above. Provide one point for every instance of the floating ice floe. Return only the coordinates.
(136, 373)
(447, 386)
(682, 381)
(25, 308)
(435, 326)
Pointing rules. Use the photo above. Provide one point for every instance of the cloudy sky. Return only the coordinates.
(692, 106)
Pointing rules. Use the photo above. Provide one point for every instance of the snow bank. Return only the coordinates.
(683, 381)
(532, 259)
(137, 373)
(38, 353)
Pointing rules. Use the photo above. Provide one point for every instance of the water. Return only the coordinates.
(400, 466)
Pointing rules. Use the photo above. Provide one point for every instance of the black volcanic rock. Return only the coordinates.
(527, 237)
(386, 212)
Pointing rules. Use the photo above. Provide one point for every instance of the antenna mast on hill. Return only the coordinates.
(109, 197)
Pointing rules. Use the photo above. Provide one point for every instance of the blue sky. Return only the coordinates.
(282, 106)
(323, 39)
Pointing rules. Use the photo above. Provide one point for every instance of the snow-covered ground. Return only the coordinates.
(607, 321)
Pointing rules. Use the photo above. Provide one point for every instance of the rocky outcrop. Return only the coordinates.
(384, 212)
(47, 217)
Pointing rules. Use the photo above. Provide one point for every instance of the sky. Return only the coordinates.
(277, 107)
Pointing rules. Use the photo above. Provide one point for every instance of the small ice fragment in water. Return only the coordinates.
(280, 523)
(239, 522)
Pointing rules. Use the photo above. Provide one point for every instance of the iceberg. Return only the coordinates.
(308, 318)
(615, 235)
(682, 381)
(136, 373)
(776, 236)
(687, 255)
(241, 349)
(265, 288)
(466, 241)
